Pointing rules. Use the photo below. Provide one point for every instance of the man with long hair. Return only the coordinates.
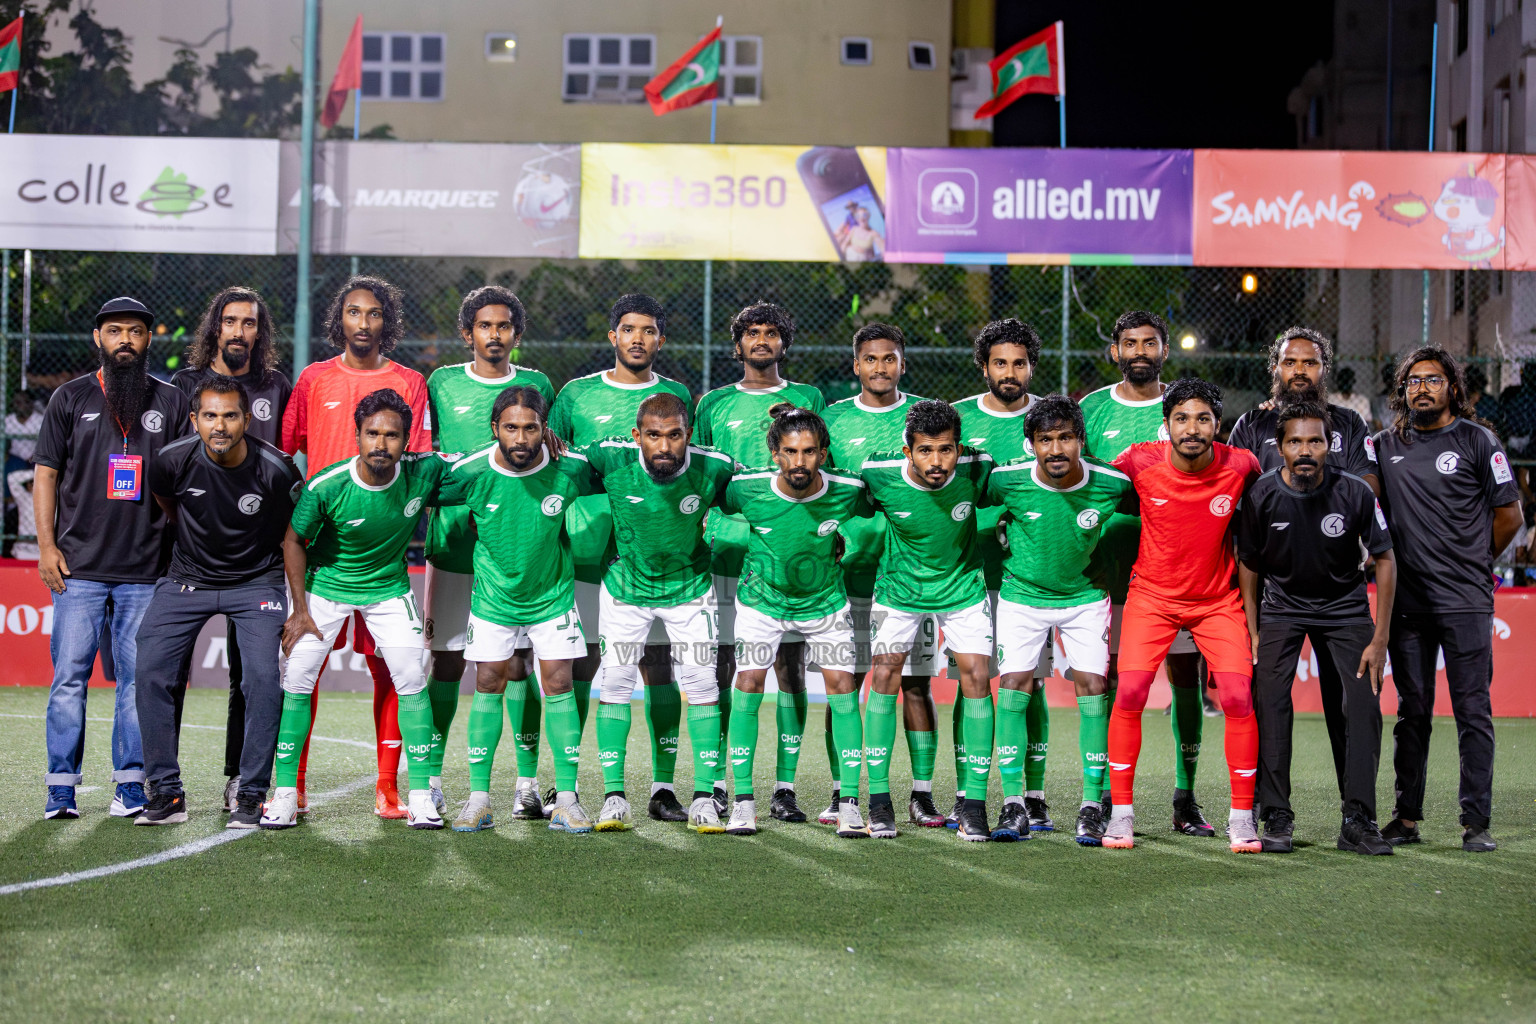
(365, 321)
(1452, 505)
(234, 340)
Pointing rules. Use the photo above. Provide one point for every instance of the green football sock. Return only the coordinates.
(923, 748)
(848, 732)
(1093, 743)
(564, 724)
(444, 695)
(1038, 717)
(523, 711)
(791, 720)
(704, 737)
(581, 692)
(484, 735)
(879, 739)
(1188, 723)
(832, 760)
(416, 734)
(723, 744)
(978, 746)
(743, 741)
(1012, 738)
(292, 728)
(612, 743)
(663, 713)
(956, 722)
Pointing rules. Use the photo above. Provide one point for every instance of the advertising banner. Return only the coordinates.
(1520, 215)
(1039, 206)
(138, 194)
(1367, 210)
(436, 199)
(732, 202)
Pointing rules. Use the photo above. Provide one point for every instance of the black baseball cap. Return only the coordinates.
(128, 305)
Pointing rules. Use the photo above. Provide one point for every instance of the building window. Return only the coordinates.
(1460, 14)
(404, 66)
(855, 50)
(741, 69)
(1458, 139)
(608, 68)
(1315, 117)
(501, 46)
(920, 56)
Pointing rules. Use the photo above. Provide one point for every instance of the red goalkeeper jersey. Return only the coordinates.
(319, 419)
(1186, 519)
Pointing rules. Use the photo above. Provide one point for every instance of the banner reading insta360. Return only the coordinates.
(132, 194)
(732, 202)
(1379, 210)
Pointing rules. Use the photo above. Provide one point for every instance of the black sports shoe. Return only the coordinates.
(247, 813)
(921, 812)
(1187, 817)
(1012, 824)
(972, 825)
(829, 816)
(1360, 835)
(722, 801)
(783, 806)
(1279, 828)
(1039, 815)
(1399, 834)
(1105, 806)
(952, 819)
(1477, 840)
(664, 807)
(164, 809)
(882, 818)
(1090, 826)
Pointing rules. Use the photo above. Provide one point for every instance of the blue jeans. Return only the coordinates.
(78, 616)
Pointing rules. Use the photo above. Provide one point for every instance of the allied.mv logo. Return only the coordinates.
(1333, 525)
(552, 505)
(1221, 505)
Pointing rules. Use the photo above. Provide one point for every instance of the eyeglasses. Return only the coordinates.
(1425, 383)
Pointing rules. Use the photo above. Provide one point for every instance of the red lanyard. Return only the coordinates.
(103, 385)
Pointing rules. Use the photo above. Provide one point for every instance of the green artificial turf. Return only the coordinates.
(351, 917)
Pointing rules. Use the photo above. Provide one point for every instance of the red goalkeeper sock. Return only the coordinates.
(386, 721)
(1242, 758)
(1124, 749)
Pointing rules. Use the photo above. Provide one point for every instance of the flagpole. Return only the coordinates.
(12, 129)
(709, 265)
(357, 127)
(1066, 267)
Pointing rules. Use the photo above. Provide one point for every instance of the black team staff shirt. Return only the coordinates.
(1349, 443)
(267, 401)
(1308, 545)
(1439, 490)
(229, 521)
(108, 540)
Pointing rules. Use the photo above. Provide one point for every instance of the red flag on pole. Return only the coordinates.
(10, 56)
(1034, 65)
(692, 78)
(349, 75)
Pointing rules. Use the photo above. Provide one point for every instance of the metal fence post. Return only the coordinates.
(26, 313)
(1066, 288)
(709, 309)
(301, 310)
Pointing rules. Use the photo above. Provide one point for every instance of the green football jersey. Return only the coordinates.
(663, 559)
(858, 431)
(1113, 424)
(1054, 559)
(358, 533)
(523, 569)
(931, 562)
(588, 410)
(1000, 435)
(459, 407)
(790, 570)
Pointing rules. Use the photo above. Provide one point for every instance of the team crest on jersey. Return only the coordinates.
(1221, 505)
(960, 512)
(1447, 462)
(827, 528)
(602, 645)
(1088, 518)
(1338, 442)
(552, 505)
(1501, 473)
(296, 490)
(262, 409)
(250, 504)
(689, 505)
(431, 627)
(412, 507)
(153, 421)
(1162, 432)
(1333, 525)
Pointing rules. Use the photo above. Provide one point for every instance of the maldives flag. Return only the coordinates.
(10, 55)
(349, 75)
(693, 78)
(1034, 65)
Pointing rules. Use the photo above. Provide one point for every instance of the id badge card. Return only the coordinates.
(125, 476)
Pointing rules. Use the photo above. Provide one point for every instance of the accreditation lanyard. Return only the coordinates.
(125, 473)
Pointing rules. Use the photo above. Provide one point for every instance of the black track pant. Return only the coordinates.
(1467, 640)
(1352, 711)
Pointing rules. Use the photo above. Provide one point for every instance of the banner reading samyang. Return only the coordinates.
(1367, 210)
(1039, 206)
(649, 201)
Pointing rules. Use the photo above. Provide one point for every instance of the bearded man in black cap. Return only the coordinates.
(102, 541)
